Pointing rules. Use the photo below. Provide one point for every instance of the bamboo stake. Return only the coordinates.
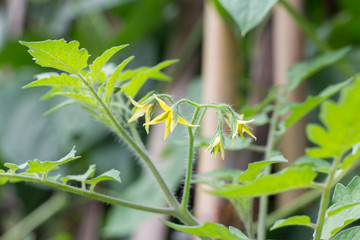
(218, 77)
(288, 49)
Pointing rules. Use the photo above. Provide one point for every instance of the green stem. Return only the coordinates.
(250, 224)
(93, 195)
(138, 150)
(186, 193)
(325, 198)
(36, 218)
(263, 208)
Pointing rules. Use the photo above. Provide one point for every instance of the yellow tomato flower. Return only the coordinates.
(142, 109)
(241, 127)
(217, 145)
(168, 118)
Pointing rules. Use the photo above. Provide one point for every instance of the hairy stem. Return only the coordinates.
(93, 195)
(120, 130)
(186, 193)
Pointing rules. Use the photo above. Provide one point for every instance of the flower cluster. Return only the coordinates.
(171, 118)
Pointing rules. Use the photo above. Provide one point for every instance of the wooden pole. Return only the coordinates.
(288, 49)
(218, 78)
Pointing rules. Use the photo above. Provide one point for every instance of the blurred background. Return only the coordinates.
(215, 60)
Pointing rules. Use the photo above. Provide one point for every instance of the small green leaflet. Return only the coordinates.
(110, 85)
(80, 178)
(111, 175)
(129, 74)
(254, 169)
(39, 167)
(290, 178)
(223, 174)
(62, 80)
(351, 157)
(339, 134)
(301, 109)
(3, 180)
(345, 208)
(348, 234)
(209, 229)
(59, 54)
(316, 164)
(296, 220)
(98, 64)
(248, 13)
(301, 71)
(132, 87)
(13, 167)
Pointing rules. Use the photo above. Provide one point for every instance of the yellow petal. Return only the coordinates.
(138, 113)
(247, 130)
(147, 117)
(162, 104)
(158, 119)
(184, 122)
(167, 127)
(136, 104)
(222, 150)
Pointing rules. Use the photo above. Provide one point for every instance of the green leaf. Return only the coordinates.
(349, 234)
(111, 175)
(209, 229)
(248, 13)
(3, 179)
(58, 54)
(82, 177)
(255, 169)
(351, 158)
(98, 64)
(62, 80)
(296, 220)
(84, 98)
(300, 110)
(132, 87)
(345, 208)
(316, 164)
(290, 178)
(223, 174)
(301, 71)
(39, 167)
(110, 85)
(13, 167)
(341, 125)
(128, 74)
